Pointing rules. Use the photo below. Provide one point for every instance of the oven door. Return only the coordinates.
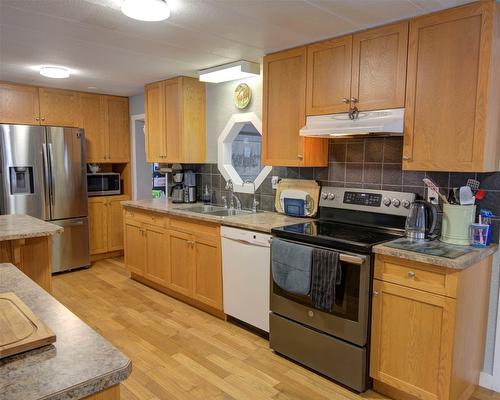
(349, 317)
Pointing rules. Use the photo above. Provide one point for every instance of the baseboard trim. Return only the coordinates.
(102, 256)
(487, 381)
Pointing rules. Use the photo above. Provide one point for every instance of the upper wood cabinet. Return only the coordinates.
(59, 107)
(175, 121)
(452, 100)
(19, 104)
(284, 113)
(106, 123)
(368, 67)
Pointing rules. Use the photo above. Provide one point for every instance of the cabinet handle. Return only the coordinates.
(406, 158)
(345, 100)
(43, 119)
(190, 243)
(375, 293)
(300, 156)
(411, 275)
(37, 119)
(354, 100)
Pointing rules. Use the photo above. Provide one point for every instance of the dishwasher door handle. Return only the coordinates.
(247, 242)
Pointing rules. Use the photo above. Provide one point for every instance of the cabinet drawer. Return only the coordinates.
(416, 275)
(196, 228)
(146, 217)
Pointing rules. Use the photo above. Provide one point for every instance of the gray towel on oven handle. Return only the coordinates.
(291, 266)
(325, 276)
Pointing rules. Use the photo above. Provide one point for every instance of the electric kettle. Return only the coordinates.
(421, 220)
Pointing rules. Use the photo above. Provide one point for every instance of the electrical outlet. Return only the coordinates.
(274, 181)
(432, 196)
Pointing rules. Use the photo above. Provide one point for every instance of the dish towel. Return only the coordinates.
(325, 275)
(291, 266)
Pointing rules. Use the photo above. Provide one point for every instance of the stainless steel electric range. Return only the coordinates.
(336, 343)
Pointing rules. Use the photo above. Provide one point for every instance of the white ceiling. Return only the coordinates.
(119, 55)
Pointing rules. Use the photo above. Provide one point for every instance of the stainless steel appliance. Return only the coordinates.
(103, 183)
(43, 175)
(422, 220)
(177, 193)
(189, 187)
(336, 343)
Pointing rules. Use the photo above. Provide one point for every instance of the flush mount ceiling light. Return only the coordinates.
(146, 10)
(55, 72)
(229, 72)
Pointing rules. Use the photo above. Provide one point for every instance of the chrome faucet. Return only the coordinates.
(233, 198)
(255, 203)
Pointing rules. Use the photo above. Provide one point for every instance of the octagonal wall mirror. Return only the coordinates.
(239, 152)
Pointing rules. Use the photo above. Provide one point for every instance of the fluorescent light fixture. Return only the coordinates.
(146, 10)
(230, 72)
(55, 72)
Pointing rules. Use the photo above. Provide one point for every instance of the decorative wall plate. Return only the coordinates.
(242, 96)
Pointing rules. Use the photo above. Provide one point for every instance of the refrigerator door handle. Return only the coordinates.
(47, 177)
(51, 178)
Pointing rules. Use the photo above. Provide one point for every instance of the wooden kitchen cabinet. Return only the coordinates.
(59, 107)
(93, 114)
(135, 248)
(284, 111)
(207, 271)
(106, 224)
(452, 97)
(181, 265)
(428, 329)
(117, 129)
(157, 254)
(175, 121)
(19, 104)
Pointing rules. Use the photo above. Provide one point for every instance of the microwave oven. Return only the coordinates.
(103, 184)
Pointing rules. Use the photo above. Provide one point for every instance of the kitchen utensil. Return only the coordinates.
(421, 221)
(473, 184)
(21, 329)
(456, 221)
(453, 196)
(478, 234)
(480, 194)
(431, 185)
(177, 193)
(466, 196)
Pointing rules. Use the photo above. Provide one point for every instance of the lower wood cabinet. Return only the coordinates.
(428, 329)
(106, 224)
(178, 256)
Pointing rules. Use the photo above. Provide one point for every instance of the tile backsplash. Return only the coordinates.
(358, 163)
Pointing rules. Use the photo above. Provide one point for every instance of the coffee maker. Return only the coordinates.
(177, 191)
(189, 187)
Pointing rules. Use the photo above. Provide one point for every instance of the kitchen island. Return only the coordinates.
(79, 365)
(26, 242)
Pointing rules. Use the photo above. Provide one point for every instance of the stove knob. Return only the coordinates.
(386, 201)
(396, 202)
(331, 196)
(406, 203)
(324, 196)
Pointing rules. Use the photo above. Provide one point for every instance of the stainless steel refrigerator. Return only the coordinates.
(43, 174)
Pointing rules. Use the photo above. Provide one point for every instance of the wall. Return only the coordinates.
(136, 104)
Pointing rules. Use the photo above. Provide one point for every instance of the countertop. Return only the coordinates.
(20, 226)
(473, 255)
(80, 363)
(261, 221)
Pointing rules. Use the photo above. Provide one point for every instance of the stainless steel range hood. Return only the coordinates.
(373, 123)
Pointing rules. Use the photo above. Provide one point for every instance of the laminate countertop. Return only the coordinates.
(80, 363)
(261, 221)
(20, 226)
(428, 252)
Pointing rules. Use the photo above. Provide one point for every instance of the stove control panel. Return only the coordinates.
(378, 201)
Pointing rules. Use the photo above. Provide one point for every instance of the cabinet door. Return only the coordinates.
(329, 76)
(447, 71)
(379, 67)
(413, 356)
(118, 129)
(98, 221)
(157, 253)
(115, 223)
(59, 107)
(173, 134)
(181, 262)
(208, 272)
(135, 247)
(19, 104)
(93, 113)
(155, 121)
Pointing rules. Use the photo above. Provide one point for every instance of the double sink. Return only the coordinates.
(218, 211)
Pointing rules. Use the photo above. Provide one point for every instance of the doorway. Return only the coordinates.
(142, 184)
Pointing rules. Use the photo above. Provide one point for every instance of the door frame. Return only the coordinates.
(133, 120)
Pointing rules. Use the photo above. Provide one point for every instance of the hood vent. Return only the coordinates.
(373, 123)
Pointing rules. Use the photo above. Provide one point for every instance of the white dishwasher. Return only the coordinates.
(246, 260)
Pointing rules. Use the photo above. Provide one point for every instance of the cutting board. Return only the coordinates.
(309, 186)
(20, 329)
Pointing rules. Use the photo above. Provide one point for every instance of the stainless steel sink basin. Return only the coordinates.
(228, 213)
(203, 209)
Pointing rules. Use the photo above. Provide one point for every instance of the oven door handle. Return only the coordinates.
(352, 259)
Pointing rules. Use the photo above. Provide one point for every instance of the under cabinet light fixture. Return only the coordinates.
(146, 10)
(229, 72)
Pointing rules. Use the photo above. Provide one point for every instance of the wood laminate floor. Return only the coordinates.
(179, 352)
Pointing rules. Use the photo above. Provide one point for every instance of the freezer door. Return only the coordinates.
(22, 174)
(70, 249)
(68, 183)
